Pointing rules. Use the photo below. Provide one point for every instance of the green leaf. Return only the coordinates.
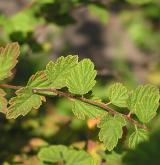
(62, 154)
(23, 103)
(8, 59)
(146, 108)
(100, 12)
(120, 119)
(73, 157)
(52, 154)
(144, 102)
(81, 79)
(140, 93)
(84, 110)
(26, 100)
(111, 130)
(57, 72)
(118, 94)
(140, 135)
(38, 80)
(3, 101)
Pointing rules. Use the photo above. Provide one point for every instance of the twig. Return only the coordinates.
(95, 103)
(73, 97)
(10, 86)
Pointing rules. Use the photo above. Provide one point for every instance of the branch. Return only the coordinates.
(95, 103)
(10, 86)
(73, 97)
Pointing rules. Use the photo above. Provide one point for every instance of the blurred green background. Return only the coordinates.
(122, 38)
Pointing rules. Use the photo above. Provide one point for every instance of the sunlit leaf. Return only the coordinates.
(82, 78)
(140, 93)
(38, 80)
(118, 94)
(57, 72)
(146, 108)
(144, 102)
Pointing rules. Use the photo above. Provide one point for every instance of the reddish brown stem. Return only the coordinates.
(10, 86)
(73, 97)
(98, 104)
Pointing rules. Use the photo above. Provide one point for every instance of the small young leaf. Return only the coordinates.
(118, 94)
(144, 102)
(58, 71)
(26, 100)
(8, 59)
(3, 101)
(84, 110)
(111, 130)
(137, 137)
(23, 103)
(62, 154)
(81, 79)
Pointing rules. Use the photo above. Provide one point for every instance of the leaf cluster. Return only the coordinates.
(78, 79)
